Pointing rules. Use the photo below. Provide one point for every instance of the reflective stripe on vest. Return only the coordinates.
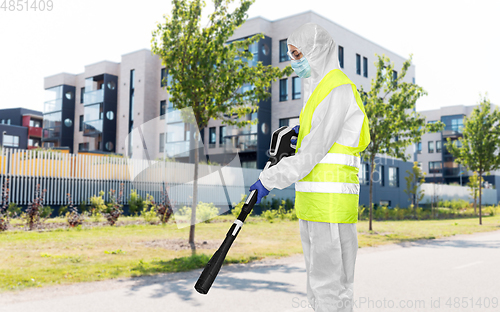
(330, 192)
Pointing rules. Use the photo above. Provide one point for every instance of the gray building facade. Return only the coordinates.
(109, 100)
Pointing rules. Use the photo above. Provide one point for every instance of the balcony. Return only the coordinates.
(92, 128)
(451, 172)
(52, 106)
(51, 134)
(35, 132)
(92, 97)
(177, 149)
(452, 131)
(173, 115)
(241, 143)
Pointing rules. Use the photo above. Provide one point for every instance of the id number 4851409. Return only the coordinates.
(26, 5)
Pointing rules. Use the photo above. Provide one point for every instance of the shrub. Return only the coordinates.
(4, 214)
(237, 207)
(265, 204)
(63, 210)
(46, 212)
(114, 207)
(148, 213)
(14, 210)
(164, 208)
(33, 215)
(73, 217)
(291, 215)
(204, 211)
(136, 203)
(361, 210)
(270, 215)
(281, 210)
(97, 204)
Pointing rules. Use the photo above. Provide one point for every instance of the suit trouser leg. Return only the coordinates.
(330, 253)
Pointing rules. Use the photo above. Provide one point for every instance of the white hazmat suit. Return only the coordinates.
(329, 248)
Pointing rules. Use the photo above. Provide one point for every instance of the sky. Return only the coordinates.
(455, 44)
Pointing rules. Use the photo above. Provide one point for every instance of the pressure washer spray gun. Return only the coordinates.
(281, 147)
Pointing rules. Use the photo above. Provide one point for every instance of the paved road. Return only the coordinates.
(409, 277)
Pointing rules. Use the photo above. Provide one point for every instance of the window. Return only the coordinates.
(163, 76)
(34, 143)
(163, 109)
(80, 125)
(430, 146)
(382, 176)
(432, 121)
(419, 147)
(358, 64)
(131, 111)
(457, 125)
(364, 174)
(393, 176)
(82, 94)
(11, 140)
(289, 122)
(435, 167)
(249, 164)
(83, 147)
(162, 142)
(3, 121)
(365, 67)
(35, 123)
(8, 121)
(295, 88)
(222, 134)
(341, 56)
(394, 76)
(283, 48)
(211, 137)
(413, 80)
(438, 146)
(283, 90)
(386, 203)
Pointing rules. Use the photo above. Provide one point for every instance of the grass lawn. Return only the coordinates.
(36, 259)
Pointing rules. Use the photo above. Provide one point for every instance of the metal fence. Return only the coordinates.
(84, 176)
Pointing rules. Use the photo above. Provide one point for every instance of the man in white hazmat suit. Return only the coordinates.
(333, 131)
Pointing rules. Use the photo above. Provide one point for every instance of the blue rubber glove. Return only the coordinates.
(296, 128)
(261, 190)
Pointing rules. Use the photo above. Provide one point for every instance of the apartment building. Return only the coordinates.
(20, 128)
(432, 154)
(97, 109)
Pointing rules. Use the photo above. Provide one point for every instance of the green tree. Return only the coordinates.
(207, 72)
(473, 185)
(479, 145)
(394, 123)
(414, 180)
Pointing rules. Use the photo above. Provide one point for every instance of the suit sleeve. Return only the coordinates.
(327, 125)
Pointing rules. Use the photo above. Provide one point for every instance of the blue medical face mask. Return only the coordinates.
(302, 68)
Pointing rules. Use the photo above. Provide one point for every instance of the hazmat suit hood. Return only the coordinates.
(320, 50)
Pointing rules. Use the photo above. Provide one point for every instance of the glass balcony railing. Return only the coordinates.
(242, 142)
(451, 172)
(452, 130)
(177, 149)
(92, 128)
(52, 106)
(173, 115)
(92, 97)
(51, 133)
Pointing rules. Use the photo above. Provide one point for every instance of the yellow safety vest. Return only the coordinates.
(330, 192)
